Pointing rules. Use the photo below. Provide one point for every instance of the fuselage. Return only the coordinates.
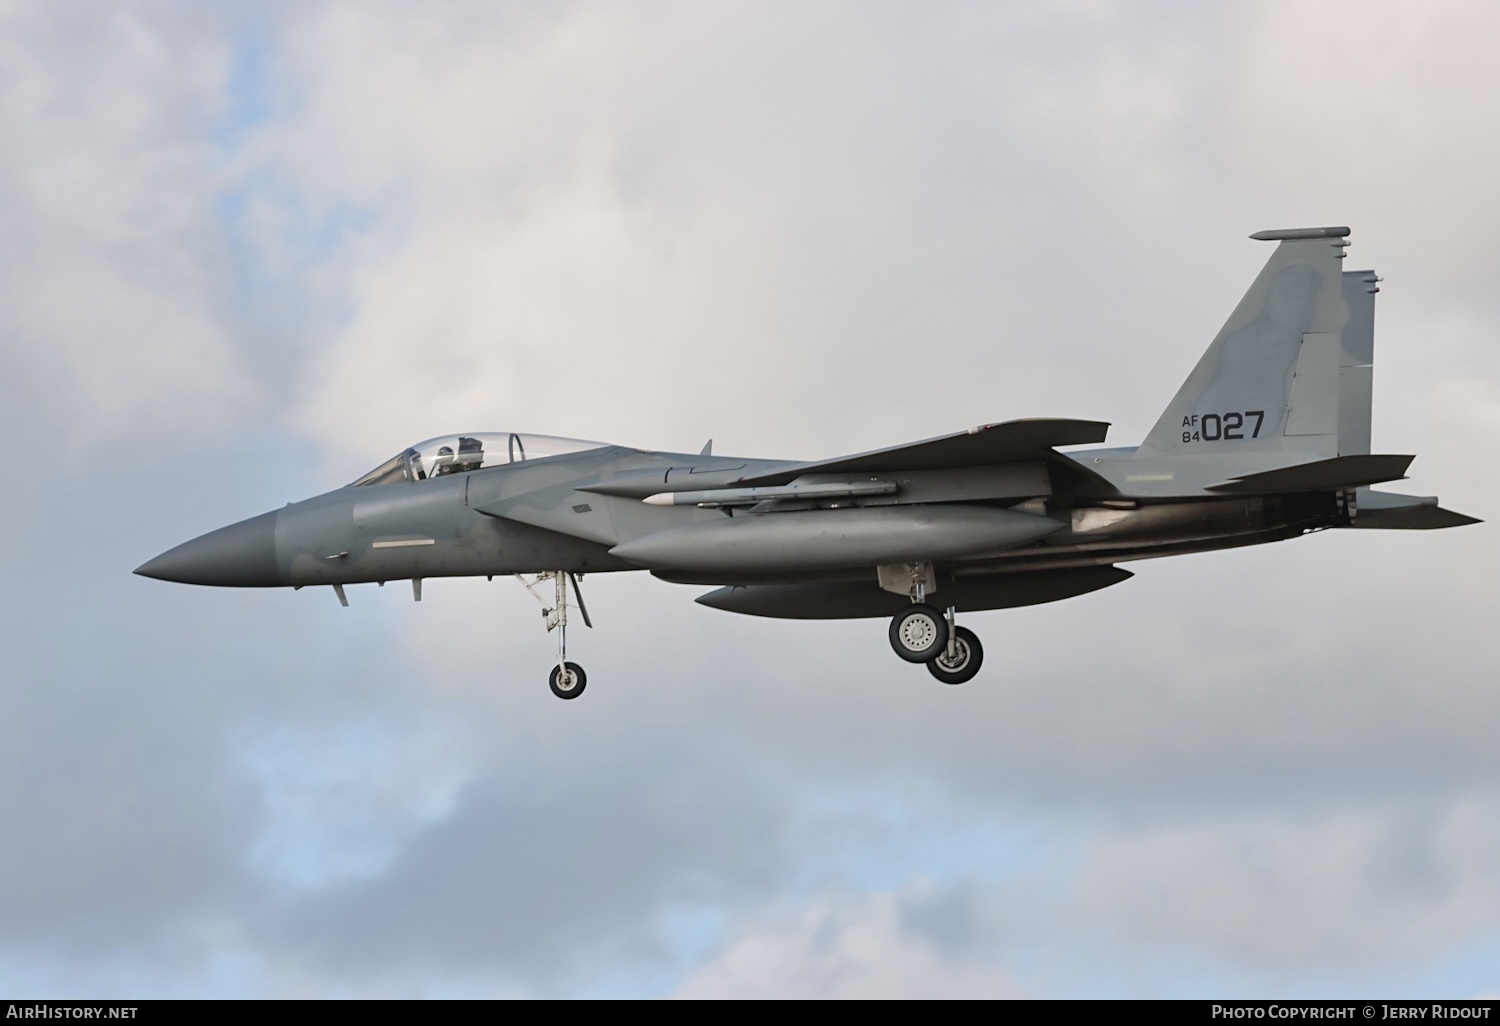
(557, 513)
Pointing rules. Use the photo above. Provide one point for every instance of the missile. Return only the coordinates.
(833, 538)
(715, 497)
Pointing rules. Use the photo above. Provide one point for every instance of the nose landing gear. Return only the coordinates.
(567, 680)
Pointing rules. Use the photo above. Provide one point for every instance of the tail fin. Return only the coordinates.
(1290, 371)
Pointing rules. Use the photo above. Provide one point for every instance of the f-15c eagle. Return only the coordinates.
(1268, 439)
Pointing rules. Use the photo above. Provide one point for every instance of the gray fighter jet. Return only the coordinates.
(1268, 439)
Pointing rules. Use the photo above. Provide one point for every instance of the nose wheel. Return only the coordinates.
(568, 680)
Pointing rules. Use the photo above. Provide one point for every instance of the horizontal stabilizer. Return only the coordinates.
(1420, 518)
(980, 446)
(1388, 511)
(1328, 475)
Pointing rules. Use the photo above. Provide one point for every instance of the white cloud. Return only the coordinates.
(841, 945)
(1371, 112)
(112, 278)
(655, 223)
(803, 231)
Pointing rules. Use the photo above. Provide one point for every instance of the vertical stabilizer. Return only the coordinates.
(1275, 377)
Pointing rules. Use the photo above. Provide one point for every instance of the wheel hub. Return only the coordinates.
(960, 657)
(918, 633)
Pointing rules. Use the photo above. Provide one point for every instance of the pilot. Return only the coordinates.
(470, 454)
(443, 464)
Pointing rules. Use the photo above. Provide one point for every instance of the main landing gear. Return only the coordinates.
(567, 680)
(960, 659)
(923, 633)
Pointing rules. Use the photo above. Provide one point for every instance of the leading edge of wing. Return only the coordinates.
(1005, 442)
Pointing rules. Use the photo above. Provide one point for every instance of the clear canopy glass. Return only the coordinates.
(458, 454)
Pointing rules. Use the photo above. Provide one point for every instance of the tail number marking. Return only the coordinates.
(1216, 427)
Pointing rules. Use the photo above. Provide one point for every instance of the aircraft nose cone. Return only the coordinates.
(242, 555)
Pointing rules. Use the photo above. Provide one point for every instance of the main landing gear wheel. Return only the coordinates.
(567, 681)
(919, 632)
(968, 654)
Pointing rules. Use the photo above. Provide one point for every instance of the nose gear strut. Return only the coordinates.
(567, 680)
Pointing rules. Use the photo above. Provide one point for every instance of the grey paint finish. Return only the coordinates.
(985, 445)
(1274, 234)
(663, 476)
(837, 538)
(1322, 475)
(1266, 440)
(862, 599)
(1357, 363)
(1391, 511)
(1018, 480)
(315, 539)
(242, 555)
(1416, 518)
(1251, 363)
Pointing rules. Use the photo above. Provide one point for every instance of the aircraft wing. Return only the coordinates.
(988, 444)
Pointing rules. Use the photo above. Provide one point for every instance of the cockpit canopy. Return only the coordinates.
(458, 454)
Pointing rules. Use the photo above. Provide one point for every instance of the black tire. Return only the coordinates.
(571, 687)
(969, 656)
(919, 632)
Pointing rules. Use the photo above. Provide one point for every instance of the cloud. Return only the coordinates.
(852, 946)
(573, 212)
(548, 873)
(1386, 884)
(110, 269)
(803, 232)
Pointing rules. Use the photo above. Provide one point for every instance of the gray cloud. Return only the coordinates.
(544, 871)
(241, 266)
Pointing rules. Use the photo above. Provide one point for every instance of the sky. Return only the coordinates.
(248, 251)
